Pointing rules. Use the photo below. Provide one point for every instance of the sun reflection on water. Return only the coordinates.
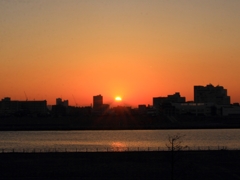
(118, 146)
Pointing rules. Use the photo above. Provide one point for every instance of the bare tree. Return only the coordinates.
(175, 144)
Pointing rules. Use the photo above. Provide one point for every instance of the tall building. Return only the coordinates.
(211, 94)
(97, 101)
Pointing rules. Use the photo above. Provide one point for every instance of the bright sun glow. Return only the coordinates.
(118, 98)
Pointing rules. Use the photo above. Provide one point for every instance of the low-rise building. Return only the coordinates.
(175, 98)
(194, 108)
(7, 106)
(231, 110)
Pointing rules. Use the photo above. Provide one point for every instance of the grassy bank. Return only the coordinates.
(121, 165)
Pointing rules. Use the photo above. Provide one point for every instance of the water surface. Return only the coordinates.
(116, 139)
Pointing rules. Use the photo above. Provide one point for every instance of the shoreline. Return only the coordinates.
(65, 128)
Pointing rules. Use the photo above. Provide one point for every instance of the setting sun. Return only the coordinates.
(118, 98)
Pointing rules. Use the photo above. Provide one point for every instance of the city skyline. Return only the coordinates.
(133, 49)
(202, 94)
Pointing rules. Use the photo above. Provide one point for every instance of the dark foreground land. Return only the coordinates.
(222, 164)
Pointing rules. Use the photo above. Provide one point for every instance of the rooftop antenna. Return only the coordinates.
(26, 96)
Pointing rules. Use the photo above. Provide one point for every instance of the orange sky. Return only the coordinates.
(137, 49)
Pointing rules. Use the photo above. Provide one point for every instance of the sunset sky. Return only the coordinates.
(135, 49)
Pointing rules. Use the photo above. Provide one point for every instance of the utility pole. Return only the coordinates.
(26, 96)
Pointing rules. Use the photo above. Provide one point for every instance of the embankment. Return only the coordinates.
(222, 164)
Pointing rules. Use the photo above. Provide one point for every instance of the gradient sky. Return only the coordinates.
(137, 49)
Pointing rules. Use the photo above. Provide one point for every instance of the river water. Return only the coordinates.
(116, 140)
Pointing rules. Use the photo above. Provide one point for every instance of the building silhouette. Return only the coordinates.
(211, 94)
(175, 98)
(97, 102)
(192, 108)
(61, 102)
(61, 108)
(98, 106)
(7, 106)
